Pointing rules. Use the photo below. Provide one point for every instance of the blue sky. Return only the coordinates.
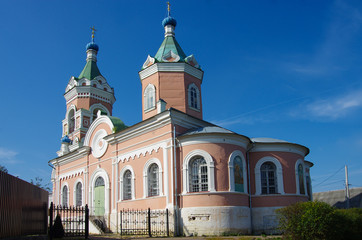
(290, 70)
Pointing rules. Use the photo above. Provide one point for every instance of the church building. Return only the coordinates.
(213, 180)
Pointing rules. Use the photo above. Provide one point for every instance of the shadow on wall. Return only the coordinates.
(337, 198)
(354, 202)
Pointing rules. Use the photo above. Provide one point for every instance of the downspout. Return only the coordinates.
(249, 184)
(115, 188)
(175, 175)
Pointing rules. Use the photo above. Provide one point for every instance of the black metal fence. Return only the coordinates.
(145, 222)
(75, 220)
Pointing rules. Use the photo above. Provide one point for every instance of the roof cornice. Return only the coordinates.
(171, 67)
(70, 157)
(89, 91)
(280, 147)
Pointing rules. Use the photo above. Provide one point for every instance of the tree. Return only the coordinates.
(3, 169)
(39, 183)
(319, 221)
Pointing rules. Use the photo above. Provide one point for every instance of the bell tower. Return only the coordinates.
(85, 96)
(170, 78)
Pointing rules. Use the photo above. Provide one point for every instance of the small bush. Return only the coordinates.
(317, 220)
(57, 230)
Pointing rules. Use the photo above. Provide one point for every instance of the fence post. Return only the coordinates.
(149, 222)
(86, 234)
(50, 233)
(167, 223)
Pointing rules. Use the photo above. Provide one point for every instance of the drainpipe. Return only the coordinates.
(250, 202)
(175, 175)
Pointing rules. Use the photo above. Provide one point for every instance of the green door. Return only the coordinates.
(99, 197)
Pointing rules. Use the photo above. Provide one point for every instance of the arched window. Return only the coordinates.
(78, 194)
(99, 182)
(153, 180)
(238, 174)
(127, 185)
(71, 121)
(268, 178)
(301, 179)
(149, 97)
(65, 196)
(194, 96)
(309, 188)
(198, 177)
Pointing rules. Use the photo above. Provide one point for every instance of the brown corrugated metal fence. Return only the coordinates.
(23, 207)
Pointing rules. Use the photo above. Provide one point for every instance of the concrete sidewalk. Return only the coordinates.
(117, 236)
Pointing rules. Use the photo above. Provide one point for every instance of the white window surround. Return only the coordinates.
(79, 180)
(210, 170)
(231, 170)
(149, 97)
(145, 177)
(123, 171)
(279, 174)
(193, 85)
(65, 184)
(300, 161)
(100, 106)
(71, 107)
(71, 120)
(99, 172)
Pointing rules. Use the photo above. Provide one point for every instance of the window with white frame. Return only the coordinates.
(71, 121)
(264, 175)
(268, 178)
(309, 188)
(194, 96)
(153, 180)
(127, 185)
(301, 179)
(65, 196)
(237, 172)
(149, 97)
(198, 174)
(78, 194)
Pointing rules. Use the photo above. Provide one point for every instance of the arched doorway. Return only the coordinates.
(98, 203)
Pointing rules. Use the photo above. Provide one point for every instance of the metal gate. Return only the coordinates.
(75, 220)
(145, 222)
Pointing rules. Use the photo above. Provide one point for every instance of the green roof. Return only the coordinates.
(117, 123)
(90, 71)
(170, 43)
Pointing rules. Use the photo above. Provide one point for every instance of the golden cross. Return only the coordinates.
(168, 7)
(93, 30)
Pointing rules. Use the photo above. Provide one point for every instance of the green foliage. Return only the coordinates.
(317, 220)
(349, 223)
(3, 168)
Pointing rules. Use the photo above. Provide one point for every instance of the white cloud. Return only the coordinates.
(8, 156)
(7, 153)
(336, 107)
